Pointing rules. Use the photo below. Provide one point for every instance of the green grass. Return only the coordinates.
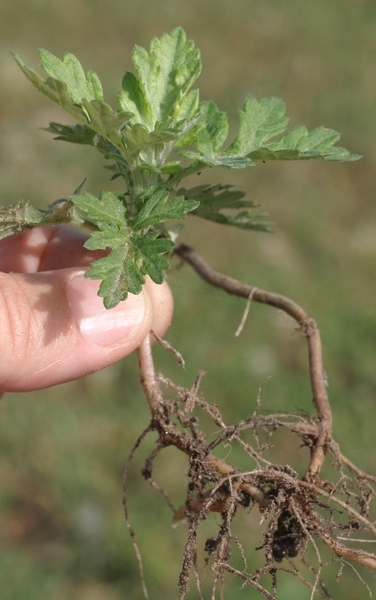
(63, 450)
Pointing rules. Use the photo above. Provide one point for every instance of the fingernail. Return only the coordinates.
(98, 324)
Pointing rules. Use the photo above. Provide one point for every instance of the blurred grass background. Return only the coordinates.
(62, 532)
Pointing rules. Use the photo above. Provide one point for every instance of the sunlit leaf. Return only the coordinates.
(301, 144)
(107, 208)
(259, 121)
(69, 71)
(159, 113)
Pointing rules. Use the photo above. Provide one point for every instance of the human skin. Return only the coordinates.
(54, 328)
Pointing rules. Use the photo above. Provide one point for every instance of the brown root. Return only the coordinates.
(297, 514)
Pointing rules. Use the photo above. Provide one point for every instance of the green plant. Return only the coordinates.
(159, 135)
(158, 115)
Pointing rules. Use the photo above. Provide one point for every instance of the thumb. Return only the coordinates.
(54, 327)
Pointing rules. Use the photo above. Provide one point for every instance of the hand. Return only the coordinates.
(53, 326)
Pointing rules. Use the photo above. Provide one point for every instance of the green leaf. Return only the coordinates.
(119, 274)
(77, 134)
(105, 121)
(229, 162)
(186, 109)
(259, 121)
(131, 98)
(69, 71)
(150, 250)
(172, 168)
(213, 134)
(216, 198)
(133, 256)
(242, 220)
(109, 236)
(105, 209)
(93, 112)
(159, 206)
(119, 271)
(301, 144)
(165, 75)
(158, 112)
(53, 89)
(137, 137)
(210, 138)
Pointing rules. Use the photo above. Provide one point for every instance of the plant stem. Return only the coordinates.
(148, 379)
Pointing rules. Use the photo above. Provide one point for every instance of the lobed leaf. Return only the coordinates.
(259, 121)
(69, 71)
(137, 137)
(242, 220)
(76, 134)
(301, 144)
(90, 111)
(105, 121)
(52, 88)
(132, 98)
(213, 133)
(186, 109)
(120, 275)
(149, 251)
(165, 75)
(133, 256)
(108, 236)
(157, 113)
(105, 209)
(216, 198)
(159, 206)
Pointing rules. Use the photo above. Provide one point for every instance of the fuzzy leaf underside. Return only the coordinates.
(105, 121)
